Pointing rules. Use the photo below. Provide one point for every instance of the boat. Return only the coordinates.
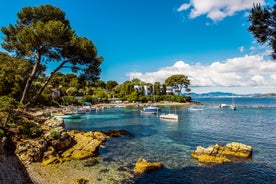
(170, 116)
(223, 106)
(66, 114)
(151, 110)
(69, 116)
(226, 106)
(195, 108)
(86, 109)
(233, 106)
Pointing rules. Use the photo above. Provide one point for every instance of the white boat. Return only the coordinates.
(232, 107)
(71, 116)
(195, 108)
(169, 116)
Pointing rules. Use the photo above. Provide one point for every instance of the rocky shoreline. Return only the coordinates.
(55, 155)
(47, 153)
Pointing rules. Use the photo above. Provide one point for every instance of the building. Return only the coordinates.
(170, 90)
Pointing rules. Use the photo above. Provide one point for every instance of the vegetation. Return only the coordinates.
(42, 35)
(263, 26)
(178, 81)
(7, 106)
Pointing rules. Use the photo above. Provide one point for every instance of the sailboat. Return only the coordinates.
(233, 106)
(196, 107)
(170, 116)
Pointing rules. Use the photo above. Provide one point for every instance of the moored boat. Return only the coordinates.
(151, 110)
(69, 116)
(169, 116)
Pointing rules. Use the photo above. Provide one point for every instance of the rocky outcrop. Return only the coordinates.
(56, 144)
(143, 166)
(87, 144)
(221, 154)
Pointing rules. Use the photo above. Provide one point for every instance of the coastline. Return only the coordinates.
(73, 171)
(69, 172)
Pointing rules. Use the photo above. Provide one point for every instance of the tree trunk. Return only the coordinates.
(30, 79)
(34, 99)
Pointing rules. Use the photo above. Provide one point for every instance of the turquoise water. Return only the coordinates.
(172, 142)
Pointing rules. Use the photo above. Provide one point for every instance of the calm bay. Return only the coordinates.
(171, 143)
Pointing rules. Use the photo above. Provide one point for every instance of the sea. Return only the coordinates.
(171, 142)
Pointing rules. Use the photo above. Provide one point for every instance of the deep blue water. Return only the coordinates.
(172, 142)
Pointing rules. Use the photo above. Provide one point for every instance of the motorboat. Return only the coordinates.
(151, 110)
(69, 116)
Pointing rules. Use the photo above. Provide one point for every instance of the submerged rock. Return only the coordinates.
(221, 154)
(118, 133)
(143, 166)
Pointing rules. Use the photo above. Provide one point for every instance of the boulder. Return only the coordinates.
(143, 166)
(238, 149)
(85, 145)
(31, 150)
(221, 154)
(118, 133)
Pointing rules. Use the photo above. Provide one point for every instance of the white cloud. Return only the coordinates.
(242, 49)
(241, 71)
(217, 9)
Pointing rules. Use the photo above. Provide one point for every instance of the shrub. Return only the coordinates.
(55, 134)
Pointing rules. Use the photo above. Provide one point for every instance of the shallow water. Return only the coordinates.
(171, 143)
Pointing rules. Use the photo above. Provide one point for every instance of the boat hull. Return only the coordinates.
(169, 116)
(72, 116)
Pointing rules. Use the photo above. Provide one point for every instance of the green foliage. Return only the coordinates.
(55, 134)
(179, 81)
(110, 85)
(101, 94)
(70, 100)
(42, 35)
(88, 98)
(29, 129)
(263, 25)
(2, 132)
(71, 91)
(12, 81)
(7, 103)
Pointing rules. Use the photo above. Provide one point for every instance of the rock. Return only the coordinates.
(85, 146)
(58, 138)
(55, 122)
(31, 150)
(220, 154)
(118, 133)
(238, 149)
(143, 166)
(91, 162)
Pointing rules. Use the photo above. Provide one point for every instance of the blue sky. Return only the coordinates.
(207, 40)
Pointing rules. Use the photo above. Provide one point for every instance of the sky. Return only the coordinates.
(206, 40)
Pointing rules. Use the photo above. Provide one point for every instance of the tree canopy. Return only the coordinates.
(42, 35)
(179, 81)
(263, 26)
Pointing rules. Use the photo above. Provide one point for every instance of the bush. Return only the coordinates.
(30, 129)
(2, 132)
(55, 134)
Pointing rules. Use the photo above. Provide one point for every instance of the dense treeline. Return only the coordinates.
(71, 86)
